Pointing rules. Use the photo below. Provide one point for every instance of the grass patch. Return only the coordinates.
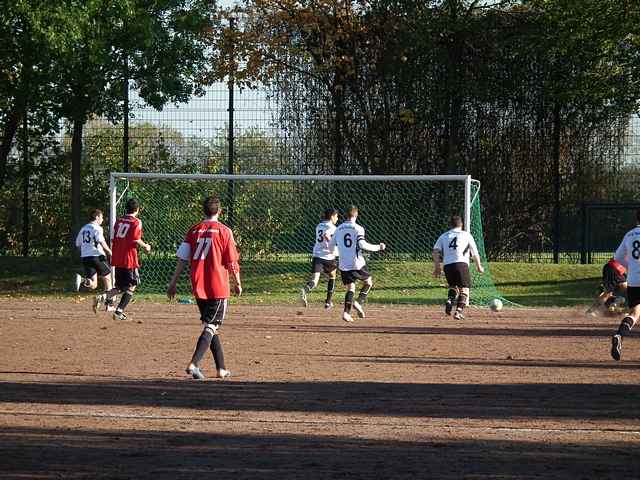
(528, 284)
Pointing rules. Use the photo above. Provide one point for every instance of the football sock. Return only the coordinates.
(362, 296)
(204, 342)
(112, 293)
(462, 301)
(625, 326)
(309, 286)
(124, 300)
(331, 286)
(348, 301)
(451, 295)
(218, 354)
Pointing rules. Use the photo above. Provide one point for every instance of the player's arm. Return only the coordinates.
(473, 251)
(230, 260)
(103, 243)
(141, 243)
(183, 254)
(370, 247)
(79, 239)
(436, 254)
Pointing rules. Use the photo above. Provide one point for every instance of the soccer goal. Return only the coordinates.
(274, 217)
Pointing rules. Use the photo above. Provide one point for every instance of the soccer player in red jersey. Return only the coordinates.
(210, 249)
(125, 239)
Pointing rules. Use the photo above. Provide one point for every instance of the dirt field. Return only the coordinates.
(404, 393)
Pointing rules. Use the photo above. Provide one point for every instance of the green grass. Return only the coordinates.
(527, 284)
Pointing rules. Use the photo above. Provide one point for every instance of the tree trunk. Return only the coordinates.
(556, 183)
(8, 133)
(76, 165)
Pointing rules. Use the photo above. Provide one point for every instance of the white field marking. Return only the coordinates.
(125, 416)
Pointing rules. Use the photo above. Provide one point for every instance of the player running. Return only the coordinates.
(324, 258)
(125, 239)
(628, 254)
(454, 247)
(91, 242)
(211, 251)
(350, 240)
(614, 285)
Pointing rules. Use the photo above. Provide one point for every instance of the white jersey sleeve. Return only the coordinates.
(322, 247)
(347, 238)
(628, 254)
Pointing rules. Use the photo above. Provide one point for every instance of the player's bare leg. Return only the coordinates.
(102, 297)
(452, 294)
(331, 286)
(348, 302)
(625, 327)
(463, 299)
(362, 297)
(311, 284)
(600, 302)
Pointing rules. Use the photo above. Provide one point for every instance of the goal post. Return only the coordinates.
(274, 217)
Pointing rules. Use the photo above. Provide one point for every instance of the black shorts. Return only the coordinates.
(212, 311)
(127, 277)
(321, 265)
(457, 275)
(633, 296)
(611, 278)
(93, 265)
(350, 276)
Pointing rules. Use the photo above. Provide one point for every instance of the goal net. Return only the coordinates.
(274, 218)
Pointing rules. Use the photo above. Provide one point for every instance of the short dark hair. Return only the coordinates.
(95, 213)
(211, 206)
(456, 221)
(132, 206)
(328, 213)
(352, 210)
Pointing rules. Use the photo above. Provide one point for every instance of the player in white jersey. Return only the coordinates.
(454, 248)
(324, 258)
(350, 240)
(93, 246)
(628, 254)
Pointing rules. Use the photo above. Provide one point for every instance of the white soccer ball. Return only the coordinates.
(495, 305)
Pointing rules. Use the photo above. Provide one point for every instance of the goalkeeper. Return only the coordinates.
(613, 289)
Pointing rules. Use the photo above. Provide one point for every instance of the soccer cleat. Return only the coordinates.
(97, 300)
(118, 315)
(110, 307)
(303, 297)
(77, 282)
(195, 372)
(347, 317)
(458, 315)
(359, 309)
(616, 347)
(222, 374)
(448, 307)
(328, 305)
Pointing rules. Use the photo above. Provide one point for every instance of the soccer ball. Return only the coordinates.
(495, 305)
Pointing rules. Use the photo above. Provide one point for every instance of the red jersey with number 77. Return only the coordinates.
(211, 251)
(126, 231)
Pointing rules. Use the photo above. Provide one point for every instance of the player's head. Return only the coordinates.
(211, 206)
(352, 212)
(96, 215)
(132, 206)
(456, 221)
(330, 214)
